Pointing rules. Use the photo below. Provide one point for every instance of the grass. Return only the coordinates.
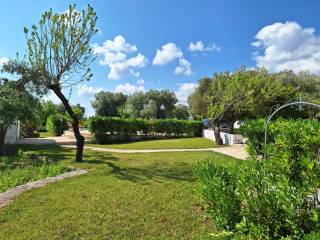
(19, 167)
(124, 196)
(46, 134)
(179, 143)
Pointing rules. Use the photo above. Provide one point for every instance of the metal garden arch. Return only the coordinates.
(300, 103)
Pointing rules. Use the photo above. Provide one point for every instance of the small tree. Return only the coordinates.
(59, 55)
(14, 105)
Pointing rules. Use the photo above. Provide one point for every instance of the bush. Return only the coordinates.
(56, 124)
(104, 128)
(274, 198)
(217, 187)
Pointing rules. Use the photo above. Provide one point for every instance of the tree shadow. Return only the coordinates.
(153, 172)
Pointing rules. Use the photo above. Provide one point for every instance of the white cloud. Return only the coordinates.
(200, 47)
(140, 82)
(3, 60)
(166, 54)
(170, 52)
(129, 89)
(184, 67)
(116, 57)
(87, 91)
(287, 46)
(118, 44)
(184, 91)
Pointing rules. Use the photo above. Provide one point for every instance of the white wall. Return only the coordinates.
(227, 138)
(13, 133)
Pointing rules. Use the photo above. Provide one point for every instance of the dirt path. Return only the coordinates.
(236, 151)
(7, 197)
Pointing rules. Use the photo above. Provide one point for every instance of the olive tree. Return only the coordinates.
(14, 105)
(242, 94)
(59, 56)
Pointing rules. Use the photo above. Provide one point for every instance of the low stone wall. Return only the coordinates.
(227, 138)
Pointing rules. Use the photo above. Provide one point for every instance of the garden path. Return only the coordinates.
(237, 150)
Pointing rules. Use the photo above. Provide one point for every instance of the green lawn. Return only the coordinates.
(179, 143)
(124, 196)
(46, 134)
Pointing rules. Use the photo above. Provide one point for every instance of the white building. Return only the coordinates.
(13, 133)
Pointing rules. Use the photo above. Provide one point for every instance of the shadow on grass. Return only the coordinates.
(153, 172)
(100, 160)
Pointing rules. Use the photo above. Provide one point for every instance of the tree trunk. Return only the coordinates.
(217, 136)
(75, 122)
(231, 126)
(3, 131)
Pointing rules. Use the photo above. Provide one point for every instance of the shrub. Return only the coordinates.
(56, 124)
(105, 127)
(274, 198)
(217, 187)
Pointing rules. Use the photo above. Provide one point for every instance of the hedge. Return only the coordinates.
(106, 129)
(272, 198)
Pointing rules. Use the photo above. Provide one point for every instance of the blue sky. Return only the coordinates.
(174, 43)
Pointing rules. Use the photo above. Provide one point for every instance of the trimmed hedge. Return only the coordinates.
(106, 129)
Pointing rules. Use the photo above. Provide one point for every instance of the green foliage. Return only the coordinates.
(102, 127)
(217, 187)
(79, 111)
(181, 112)
(56, 124)
(14, 104)
(149, 110)
(245, 93)
(47, 108)
(276, 195)
(198, 101)
(312, 236)
(108, 103)
(139, 103)
(229, 96)
(253, 130)
(22, 167)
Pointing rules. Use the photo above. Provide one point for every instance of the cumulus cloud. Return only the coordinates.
(200, 47)
(170, 52)
(166, 54)
(129, 89)
(184, 67)
(140, 82)
(184, 91)
(87, 91)
(116, 56)
(3, 60)
(287, 46)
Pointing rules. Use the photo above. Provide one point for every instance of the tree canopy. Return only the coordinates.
(59, 55)
(108, 103)
(14, 105)
(150, 104)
